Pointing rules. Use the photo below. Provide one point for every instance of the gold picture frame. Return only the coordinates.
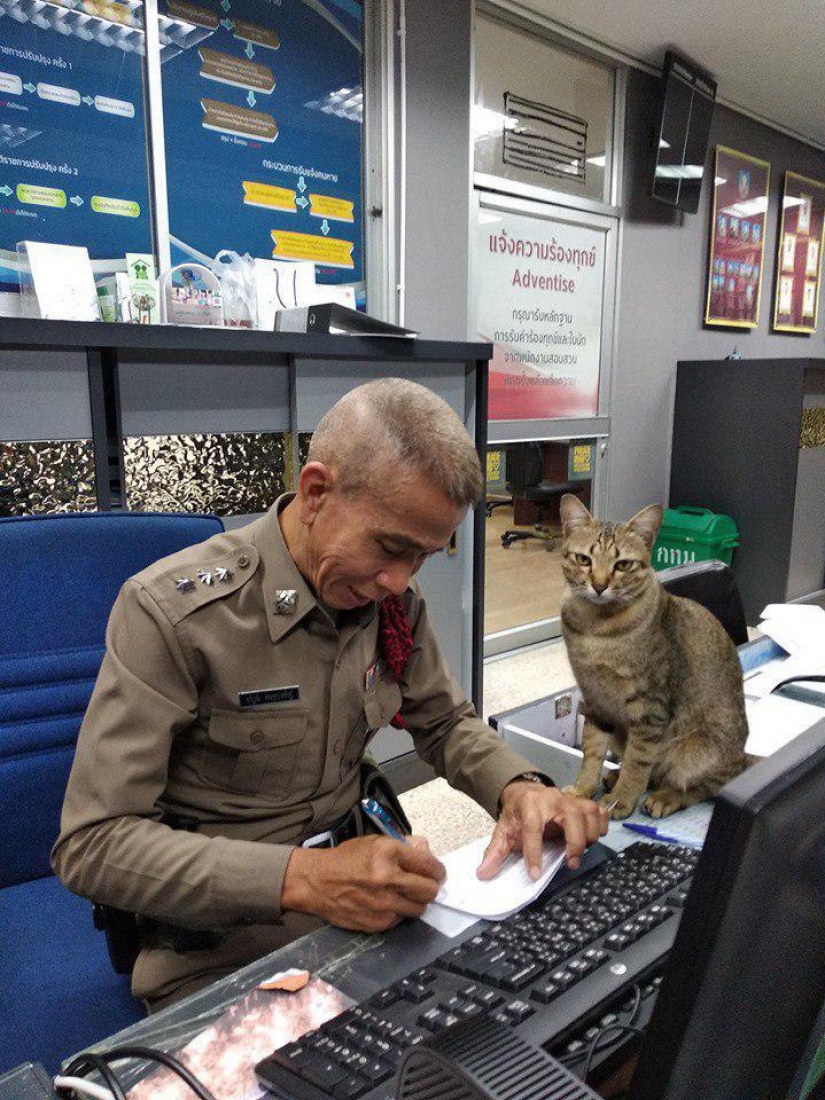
(803, 220)
(737, 239)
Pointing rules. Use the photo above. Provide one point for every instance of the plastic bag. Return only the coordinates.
(237, 276)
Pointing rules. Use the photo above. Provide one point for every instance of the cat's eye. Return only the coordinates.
(582, 559)
(623, 565)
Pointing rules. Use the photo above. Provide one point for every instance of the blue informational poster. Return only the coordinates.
(263, 120)
(73, 145)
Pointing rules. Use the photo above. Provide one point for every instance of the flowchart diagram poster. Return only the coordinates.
(263, 119)
(73, 154)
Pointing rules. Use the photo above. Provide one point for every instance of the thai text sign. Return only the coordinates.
(540, 294)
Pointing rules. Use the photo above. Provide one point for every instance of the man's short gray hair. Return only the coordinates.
(385, 429)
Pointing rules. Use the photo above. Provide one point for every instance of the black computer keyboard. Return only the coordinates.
(548, 971)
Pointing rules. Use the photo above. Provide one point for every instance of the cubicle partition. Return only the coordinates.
(749, 442)
(145, 418)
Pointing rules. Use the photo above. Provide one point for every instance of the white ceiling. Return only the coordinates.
(768, 57)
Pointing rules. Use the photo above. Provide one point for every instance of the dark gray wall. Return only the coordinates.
(439, 69)
(662, 294)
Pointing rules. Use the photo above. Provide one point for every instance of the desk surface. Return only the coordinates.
(357, 964)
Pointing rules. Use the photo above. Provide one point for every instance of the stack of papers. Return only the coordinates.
(773, 721)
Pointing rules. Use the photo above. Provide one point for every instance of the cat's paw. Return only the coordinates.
(618, 808)
(577, 792)
(663, 802)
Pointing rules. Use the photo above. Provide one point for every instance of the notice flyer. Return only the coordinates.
(540, 299)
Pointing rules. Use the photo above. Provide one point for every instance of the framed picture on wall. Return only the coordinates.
(737, 242)
(799, 252)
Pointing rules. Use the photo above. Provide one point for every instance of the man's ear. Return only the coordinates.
(646, 523)
(314, 486)
(573, 513)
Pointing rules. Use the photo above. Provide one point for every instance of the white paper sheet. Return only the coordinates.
(509, 891)
(798, 628)
(449, 922)
(774, 721)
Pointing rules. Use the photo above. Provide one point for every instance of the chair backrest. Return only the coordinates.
(713, 585)
(60, 577)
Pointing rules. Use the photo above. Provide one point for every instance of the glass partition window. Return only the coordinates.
(525, 483)
(542, 114)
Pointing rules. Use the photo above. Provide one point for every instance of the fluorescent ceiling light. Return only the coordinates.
(747, 209)
(664, 144)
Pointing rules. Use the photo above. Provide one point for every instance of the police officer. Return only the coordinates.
(242, 680)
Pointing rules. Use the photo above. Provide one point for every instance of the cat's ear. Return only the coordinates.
(646, 523)
(573, 513)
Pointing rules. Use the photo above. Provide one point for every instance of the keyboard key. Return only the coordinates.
(563, 978)
(414, 991)
(377, 1071)
(523, 977)
(546, 992)
(386, 997)
(596, 955)
(321, 1071)
(580, 967)
(350, 1088)
(617, 941)
(519, 1010)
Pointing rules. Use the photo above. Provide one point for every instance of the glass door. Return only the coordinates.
(544, 279)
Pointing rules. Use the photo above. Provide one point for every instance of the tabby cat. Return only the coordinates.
(660, 678)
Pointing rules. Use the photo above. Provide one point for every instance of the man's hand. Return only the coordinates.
(529, 814)
(367, 885)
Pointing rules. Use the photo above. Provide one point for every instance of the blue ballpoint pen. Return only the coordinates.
(654, 834)
(379, 817)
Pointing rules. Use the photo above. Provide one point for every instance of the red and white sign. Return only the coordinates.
(540, 290)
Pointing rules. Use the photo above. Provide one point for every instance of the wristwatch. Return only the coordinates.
(531, 777)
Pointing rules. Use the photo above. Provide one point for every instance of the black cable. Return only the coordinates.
(634, 1012)
(99, 1062)
(620, 1029)
(79, 1067)
(149, 1054)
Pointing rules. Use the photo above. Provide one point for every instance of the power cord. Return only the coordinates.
(100, 1062)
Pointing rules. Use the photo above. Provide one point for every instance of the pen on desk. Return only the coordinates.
(654, 834)
(381, 819)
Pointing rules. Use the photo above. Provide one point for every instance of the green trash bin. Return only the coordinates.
(694, 534)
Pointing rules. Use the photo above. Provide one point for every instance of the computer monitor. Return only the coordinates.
(742, 998)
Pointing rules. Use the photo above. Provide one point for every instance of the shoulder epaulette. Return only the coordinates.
(192, 585)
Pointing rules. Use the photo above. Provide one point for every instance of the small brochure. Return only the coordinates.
(56, 282)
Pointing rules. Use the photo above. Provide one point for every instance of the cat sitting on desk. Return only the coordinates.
(659, 676)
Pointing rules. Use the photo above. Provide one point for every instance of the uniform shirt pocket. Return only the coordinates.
(382, 704)
(254, 752)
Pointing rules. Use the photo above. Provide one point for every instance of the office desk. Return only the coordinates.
(356, 964)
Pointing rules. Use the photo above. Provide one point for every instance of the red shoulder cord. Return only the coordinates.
(395, 641)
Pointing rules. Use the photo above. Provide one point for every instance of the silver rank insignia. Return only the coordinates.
(205, 577)
(286, 601)
(183, 584)
(223, 575)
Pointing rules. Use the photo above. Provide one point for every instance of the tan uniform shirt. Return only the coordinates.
(166, 731)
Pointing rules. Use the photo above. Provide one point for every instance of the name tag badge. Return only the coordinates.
(269, 695)
(374, 674)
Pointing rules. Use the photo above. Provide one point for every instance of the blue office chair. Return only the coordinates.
(59, 576)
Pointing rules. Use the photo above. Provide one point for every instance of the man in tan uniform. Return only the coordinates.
(241, 683)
